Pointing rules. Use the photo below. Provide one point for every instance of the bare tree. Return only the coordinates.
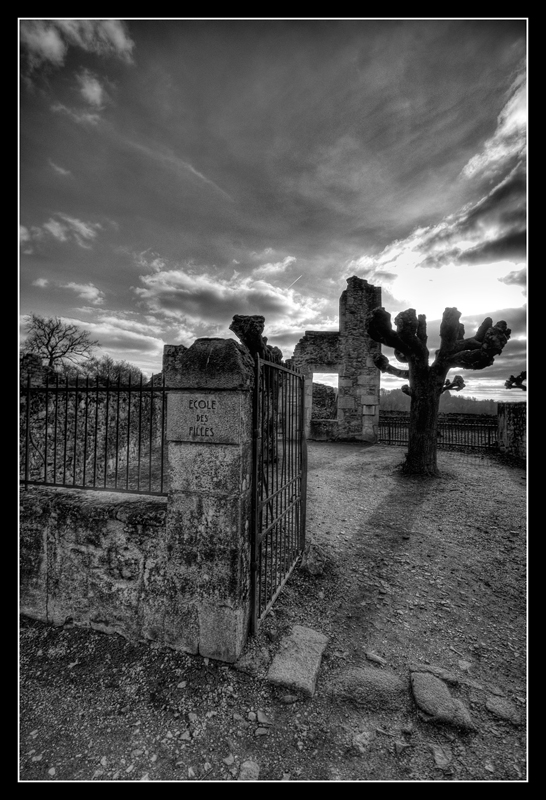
(517, 382)
(56, 341)
(428, 381)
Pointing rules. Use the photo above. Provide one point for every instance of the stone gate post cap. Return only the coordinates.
(213, 363)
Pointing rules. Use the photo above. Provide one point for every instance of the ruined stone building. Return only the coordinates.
(348, 352)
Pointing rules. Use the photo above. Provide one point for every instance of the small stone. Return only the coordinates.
(362, 741)
(261, 731)
(52, 771)
(182, 684)
(263, 719)
(229, 760)
(250, 771)
(191, 772)
(375, 658)
(442, 756)
(289, 698)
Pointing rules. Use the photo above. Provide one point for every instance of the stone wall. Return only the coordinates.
(512, 422)
(99, 559)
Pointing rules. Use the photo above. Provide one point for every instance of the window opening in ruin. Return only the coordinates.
(325, 391)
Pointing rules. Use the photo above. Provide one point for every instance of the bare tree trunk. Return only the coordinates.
(421, 458)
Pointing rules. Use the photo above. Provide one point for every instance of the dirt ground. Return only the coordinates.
(416, 571)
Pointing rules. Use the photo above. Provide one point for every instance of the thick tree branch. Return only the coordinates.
(455, 385)
(380, 329)
(382, 363)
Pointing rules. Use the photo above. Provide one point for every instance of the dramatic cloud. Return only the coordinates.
(517, 277)
(205, 302)
(509, 140)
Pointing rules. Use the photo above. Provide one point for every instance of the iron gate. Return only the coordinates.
(279, 483)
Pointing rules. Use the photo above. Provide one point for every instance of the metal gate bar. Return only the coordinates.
(279, 483)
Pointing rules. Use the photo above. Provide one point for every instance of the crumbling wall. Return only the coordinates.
(512, 427)
(348, 352)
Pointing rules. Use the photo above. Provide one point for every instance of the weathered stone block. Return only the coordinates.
(193, 469)
(346, 401)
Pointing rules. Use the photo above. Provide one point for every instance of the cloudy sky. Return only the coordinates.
(175, 172)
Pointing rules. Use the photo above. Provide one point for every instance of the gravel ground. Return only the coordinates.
(426, 572)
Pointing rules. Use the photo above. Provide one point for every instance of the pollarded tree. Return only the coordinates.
(428, 381)
(56, 341)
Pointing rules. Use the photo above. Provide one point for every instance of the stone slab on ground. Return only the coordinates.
(297, 663)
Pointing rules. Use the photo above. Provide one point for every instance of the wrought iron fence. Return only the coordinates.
(455, 431)
(94, 435)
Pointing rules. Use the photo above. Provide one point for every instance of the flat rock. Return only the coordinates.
(370, 687)
(434, 698)
(297, 663)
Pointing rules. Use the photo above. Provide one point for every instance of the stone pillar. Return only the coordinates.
(209, 435)
(307, 403)
(359, 378)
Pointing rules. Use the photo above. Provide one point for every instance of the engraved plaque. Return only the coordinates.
(207, 418)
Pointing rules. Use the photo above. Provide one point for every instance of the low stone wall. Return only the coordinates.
(512, 422)
(324, 430)
(98, 559)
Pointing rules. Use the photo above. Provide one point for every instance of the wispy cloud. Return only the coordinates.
(46, 42)
(81, 117)
(167, 158)
(274, 268)
(91, 89)
(87, 291)
(64, 228)
(60, 170)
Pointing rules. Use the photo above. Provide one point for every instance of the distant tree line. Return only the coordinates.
(397, 400)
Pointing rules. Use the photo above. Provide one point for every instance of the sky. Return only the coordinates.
(175, 172)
